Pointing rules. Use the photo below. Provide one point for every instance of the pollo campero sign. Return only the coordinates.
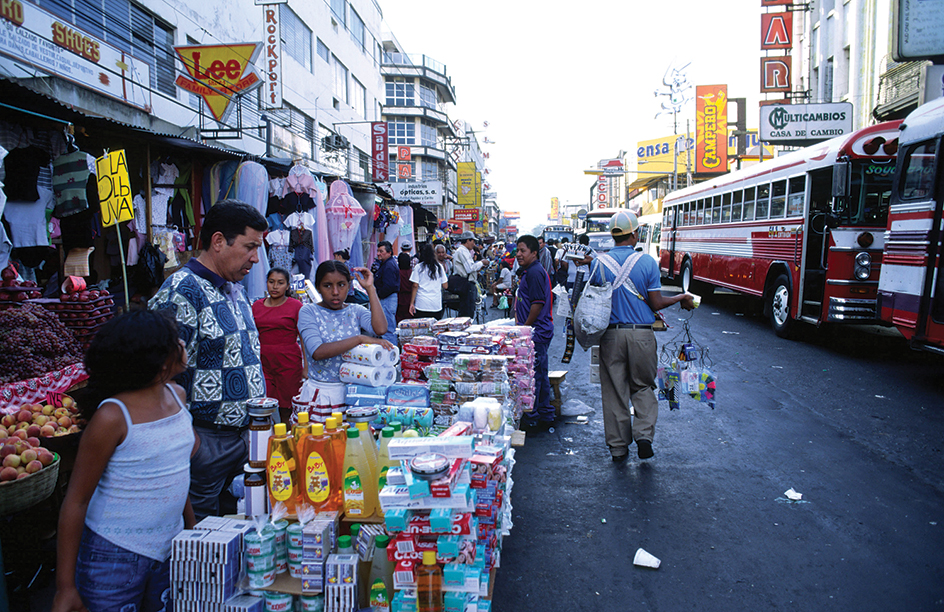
(711, 128)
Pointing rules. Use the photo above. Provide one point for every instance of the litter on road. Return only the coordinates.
(793, 495)
(645, 559)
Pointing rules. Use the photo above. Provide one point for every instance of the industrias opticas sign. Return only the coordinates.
(804, 123)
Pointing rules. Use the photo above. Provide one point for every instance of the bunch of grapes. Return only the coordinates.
(34, 342)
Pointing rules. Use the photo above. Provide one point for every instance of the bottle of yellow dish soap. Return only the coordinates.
(360, 482)
(384, 463)
(315, 469)
(281, 468)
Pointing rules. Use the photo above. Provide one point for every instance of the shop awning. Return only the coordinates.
(645, 181)
(424, 218)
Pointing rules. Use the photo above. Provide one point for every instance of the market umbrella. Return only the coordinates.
(344, 216)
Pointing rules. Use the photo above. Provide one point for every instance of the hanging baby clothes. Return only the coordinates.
(27, 219)
(279, 254)
(218, 183)
(406, 227)
(343, 214)
(70, 174)
(301, 241)
(252, 187)
(160, 196)
(323, 241)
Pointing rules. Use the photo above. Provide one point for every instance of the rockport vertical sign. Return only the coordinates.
(272, 58)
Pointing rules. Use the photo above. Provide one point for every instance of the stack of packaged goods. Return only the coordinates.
(207, 566)
(410, 328)
(517, 344)
(418, 352)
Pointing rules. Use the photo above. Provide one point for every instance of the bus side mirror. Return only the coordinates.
(842, 172)
(832, 221)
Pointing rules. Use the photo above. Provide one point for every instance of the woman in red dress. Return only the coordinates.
(277, 321)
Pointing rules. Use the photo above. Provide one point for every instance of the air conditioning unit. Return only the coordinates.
(328, 143)
(343, 143)
(334, 142)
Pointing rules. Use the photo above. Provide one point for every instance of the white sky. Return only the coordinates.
(564, 85)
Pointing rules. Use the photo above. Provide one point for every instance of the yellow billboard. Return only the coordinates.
(555, 210)
(467, 187)
(656, 155)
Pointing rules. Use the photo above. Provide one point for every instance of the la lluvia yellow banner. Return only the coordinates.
(114, 188)
(218, 72)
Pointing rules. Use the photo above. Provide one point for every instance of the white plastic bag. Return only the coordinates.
(564, 309)
(592, 314)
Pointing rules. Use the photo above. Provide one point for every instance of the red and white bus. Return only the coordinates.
(803, 231)
(911, 286)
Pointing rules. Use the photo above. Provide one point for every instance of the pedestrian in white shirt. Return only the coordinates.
(462, 281)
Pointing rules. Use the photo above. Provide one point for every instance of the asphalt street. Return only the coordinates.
(850, 418)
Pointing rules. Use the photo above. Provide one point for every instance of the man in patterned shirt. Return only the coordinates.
(215, 322)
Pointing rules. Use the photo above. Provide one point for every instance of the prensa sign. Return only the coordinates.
(804, 124)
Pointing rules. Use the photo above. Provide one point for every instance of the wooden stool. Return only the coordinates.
(556, 378)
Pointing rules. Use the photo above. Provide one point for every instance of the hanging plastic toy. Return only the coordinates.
(344, 216)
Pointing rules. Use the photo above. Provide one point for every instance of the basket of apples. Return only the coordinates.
(53, 425)
(28, 474)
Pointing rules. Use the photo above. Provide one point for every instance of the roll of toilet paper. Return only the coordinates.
(389, 375)
(391, 356)
(353, 373)
(366, 354)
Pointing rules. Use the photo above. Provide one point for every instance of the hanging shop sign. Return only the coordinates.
(219, 72)
(272, 98)
(466, 214)
(916, 30)
(114, 188)
(711, 128)
(804, 124)
(379, 157)
(31, 36)
(425, 193)
(776, 31)
(603, 192)
(466, 178)
(555, 210)
(404, 171)
(403, 153)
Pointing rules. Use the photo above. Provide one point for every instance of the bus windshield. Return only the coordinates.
(871, 190)
(598, 224)
(558, 232)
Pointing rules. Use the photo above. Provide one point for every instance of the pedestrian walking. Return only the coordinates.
(465, 268)
(405, 266)
(387, 280)
(276, 319)
(224, 363)
(428, 280)
(628, 356)
(533, 308)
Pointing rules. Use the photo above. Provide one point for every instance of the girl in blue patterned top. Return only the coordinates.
(127, 497)
(333, 327)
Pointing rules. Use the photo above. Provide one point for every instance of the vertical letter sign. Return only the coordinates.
(273, 57)
(711, 128)
(378, 151)
(114, 188)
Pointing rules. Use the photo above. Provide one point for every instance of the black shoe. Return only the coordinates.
(620, 458)
(537, 426)
(644, 449)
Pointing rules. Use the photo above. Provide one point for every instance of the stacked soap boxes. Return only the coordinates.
(205, 569)
(318, 540)
(341, 583)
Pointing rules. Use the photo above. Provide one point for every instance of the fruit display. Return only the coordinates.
(34, 421)
(35, 342)
(13, 291)
(83, 312)
(23, 458)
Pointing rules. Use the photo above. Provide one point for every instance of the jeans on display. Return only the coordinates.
(543, 411)
(389, 305)
(110, 578)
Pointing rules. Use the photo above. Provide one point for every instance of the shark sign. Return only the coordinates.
(218, 72)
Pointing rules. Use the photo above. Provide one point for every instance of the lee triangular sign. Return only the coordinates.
(217, 72)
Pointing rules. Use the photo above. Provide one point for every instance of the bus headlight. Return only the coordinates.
(863, 266)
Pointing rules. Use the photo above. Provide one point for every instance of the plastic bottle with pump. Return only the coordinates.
(316, 477)
(301, 429)
(336, 464)
(384, 463)
(429, 597)
(360, 481)
(380, 579)
(281, 469)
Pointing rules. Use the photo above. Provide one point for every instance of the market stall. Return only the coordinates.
(401, 505)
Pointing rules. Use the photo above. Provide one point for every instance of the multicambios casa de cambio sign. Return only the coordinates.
(804, 124)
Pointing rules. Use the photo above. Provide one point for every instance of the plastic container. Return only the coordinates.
(314, 473)
(370, 446)
(281, 469)
(380, 579)
(345, 546)
(302, 428)
(360, 482)
(257, 498)
(336, 465)
(429, 597)
(429, 466)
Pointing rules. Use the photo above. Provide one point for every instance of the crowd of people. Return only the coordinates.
(168, 387)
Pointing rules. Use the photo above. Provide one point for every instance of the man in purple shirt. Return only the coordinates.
(533, 308)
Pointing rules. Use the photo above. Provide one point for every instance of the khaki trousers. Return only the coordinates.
(628, 362)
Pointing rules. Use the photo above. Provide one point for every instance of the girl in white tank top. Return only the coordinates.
(127, 497)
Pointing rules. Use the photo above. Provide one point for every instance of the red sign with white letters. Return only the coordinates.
(379, 157)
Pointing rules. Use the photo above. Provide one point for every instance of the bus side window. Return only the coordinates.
(736, 206)
(749, 204)
(726, 208)
(918, 174)
(716, 209)
(778, 200)
(683, 219)
(700, 215)
(763, 201)
(795, 197)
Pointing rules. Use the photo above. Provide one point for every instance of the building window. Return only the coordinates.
(193, 99)
(359, 101)
(363, 162)
(429, 170)
(338, 8)
(357, 29)
(428, 97)
(400, 92)
(428, 134)
(402, 132)
(323, 52)
(843, 84)
(296, 37)
(340, 81)
(828, 81)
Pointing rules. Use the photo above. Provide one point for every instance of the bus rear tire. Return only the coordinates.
(779, 308)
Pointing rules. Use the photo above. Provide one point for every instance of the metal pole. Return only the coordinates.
(688, 155)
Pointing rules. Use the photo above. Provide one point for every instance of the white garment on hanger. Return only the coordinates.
(278, 238)
(162, 195)
(300, 220)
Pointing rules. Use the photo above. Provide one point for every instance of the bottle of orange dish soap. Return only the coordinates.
(281, 468)
(360, 481)
(315, 470)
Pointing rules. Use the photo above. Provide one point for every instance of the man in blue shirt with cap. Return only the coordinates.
(533, 308)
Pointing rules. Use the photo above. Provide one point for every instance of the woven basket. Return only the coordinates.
(17, 495)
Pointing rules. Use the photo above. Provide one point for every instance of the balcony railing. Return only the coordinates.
(408, 59)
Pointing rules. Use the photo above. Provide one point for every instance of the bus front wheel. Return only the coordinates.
(779, 307)
(685, 276)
